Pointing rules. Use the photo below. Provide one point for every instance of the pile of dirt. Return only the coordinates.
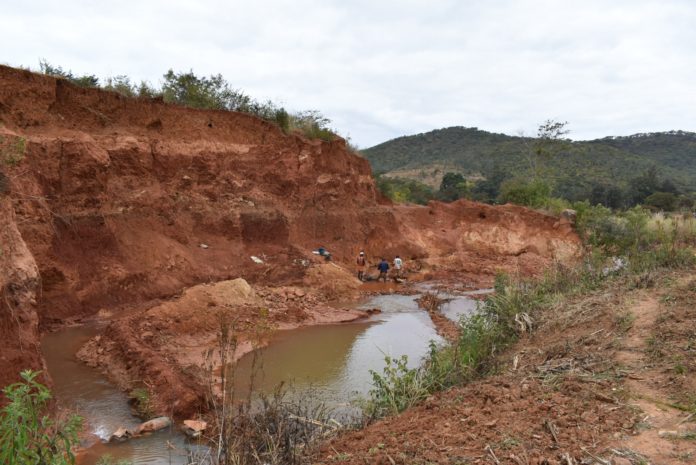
(170, 348)
(123, 202)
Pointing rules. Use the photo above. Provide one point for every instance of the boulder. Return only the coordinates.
(120, 434)
(569, 215)
(194, 428)
(155, 424)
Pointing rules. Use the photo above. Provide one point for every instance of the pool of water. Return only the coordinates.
(331, 363)
(103, 406)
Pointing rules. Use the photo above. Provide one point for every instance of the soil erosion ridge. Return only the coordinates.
(111, 204)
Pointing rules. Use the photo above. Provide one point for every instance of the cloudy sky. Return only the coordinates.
(384, 68)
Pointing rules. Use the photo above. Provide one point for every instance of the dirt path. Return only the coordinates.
(663, 434)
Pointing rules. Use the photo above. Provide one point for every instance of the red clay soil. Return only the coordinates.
(121, 202)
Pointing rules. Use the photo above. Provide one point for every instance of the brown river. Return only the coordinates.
(331, 361)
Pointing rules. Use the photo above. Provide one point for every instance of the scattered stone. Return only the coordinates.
(622, 461)
(668, 434)
(194, 428)
(204, 246)
(120, 434)
(256, 259)
(569, 215)
(155, 424)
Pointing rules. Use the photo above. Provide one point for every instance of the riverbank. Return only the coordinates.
(606, 376)
(329, 362)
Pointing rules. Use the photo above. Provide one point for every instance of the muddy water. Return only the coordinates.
(331, 363)
(102, 405)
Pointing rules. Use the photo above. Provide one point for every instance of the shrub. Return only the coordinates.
(86, 80)
(27, 436)
(312, 124)
(141, 400)
(665, 201)
(534, 193)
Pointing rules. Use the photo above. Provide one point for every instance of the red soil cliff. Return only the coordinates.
(111, 199)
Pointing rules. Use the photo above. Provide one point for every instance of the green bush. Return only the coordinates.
(27, 436)
(86, 80)
(402, 190)
(534, 193)
(665, 201)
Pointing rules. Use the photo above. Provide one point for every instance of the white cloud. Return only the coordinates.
(381, 69)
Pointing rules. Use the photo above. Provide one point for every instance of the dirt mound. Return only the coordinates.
(165, 348)
(124, 201)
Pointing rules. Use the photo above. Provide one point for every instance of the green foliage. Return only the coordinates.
(534, 193)
(665, 201)
(312, 124)
(210, 93)
(206, 92)
(12, 150)
(453, 186)
(646, 243)
(86, 80)
(404, 190)
(548, 143)
(397, 388)
(27, 436)
(122, 85)
(141, 399)
(574, 169)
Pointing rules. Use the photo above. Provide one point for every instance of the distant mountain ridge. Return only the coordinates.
(610, 161)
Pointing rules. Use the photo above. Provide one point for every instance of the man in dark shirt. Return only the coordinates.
(383, 268)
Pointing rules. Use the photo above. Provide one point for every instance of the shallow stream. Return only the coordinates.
(333, 362)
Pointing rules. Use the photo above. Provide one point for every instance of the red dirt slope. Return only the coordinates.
(123, 201)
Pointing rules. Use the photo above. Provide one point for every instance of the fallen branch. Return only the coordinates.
(490, 451)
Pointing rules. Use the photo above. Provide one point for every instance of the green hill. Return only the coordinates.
(578, 171)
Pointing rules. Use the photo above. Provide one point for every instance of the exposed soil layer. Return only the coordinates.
(122, 204)
(607, 378)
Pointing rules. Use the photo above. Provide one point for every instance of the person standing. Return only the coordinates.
(383, 268)
(398, 266)
(361, 261)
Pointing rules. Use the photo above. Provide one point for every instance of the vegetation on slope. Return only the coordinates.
(204, 92)
(632, 244)
(617, 172)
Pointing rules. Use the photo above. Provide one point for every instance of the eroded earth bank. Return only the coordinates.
(157, 220)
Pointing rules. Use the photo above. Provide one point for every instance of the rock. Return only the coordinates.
(668, 434)
(256, 259)
(204, 246)
(569, 215)
(120, 434)
(155, 424)
(194, 428)
(300, 293)
(622, 461)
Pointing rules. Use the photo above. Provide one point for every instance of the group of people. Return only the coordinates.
(383, 267)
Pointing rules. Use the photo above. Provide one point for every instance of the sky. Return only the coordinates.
(380, 69)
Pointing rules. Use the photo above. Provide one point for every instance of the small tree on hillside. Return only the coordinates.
(550, 140)
(453, 187)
